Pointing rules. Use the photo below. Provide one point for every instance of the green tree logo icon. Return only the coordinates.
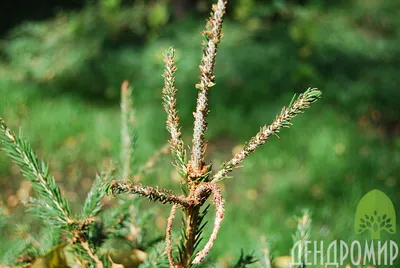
(375, 213)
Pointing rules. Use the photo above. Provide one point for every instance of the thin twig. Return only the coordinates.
(219, 216)
(169, 99)
(169, 102)
(168, 240)
(153, 194)
(282, 120)
(93, 256)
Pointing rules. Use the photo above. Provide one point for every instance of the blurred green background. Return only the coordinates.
(62, 63)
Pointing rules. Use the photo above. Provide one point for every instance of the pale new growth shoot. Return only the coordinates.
(169, 102)
(127, 130)
(212, 36)
(168, 238)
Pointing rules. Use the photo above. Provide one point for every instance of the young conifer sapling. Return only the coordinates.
(198, 181)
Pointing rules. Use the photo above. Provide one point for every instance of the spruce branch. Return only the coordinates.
(219, 216)
(197, 170)
(128, 134)
(168, 239)
(16, 253)
(85, 255)
(169, 102)
(169, 98)
(93, 205)
(85, 248)
(153, 194)
(117, 222)
(42, 210)
(37, 172)
(81, 228)
(212, 36)
(296, 107)
(52, 206)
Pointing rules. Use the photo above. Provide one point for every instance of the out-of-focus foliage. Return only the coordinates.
(349, 48)
(73, 45)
